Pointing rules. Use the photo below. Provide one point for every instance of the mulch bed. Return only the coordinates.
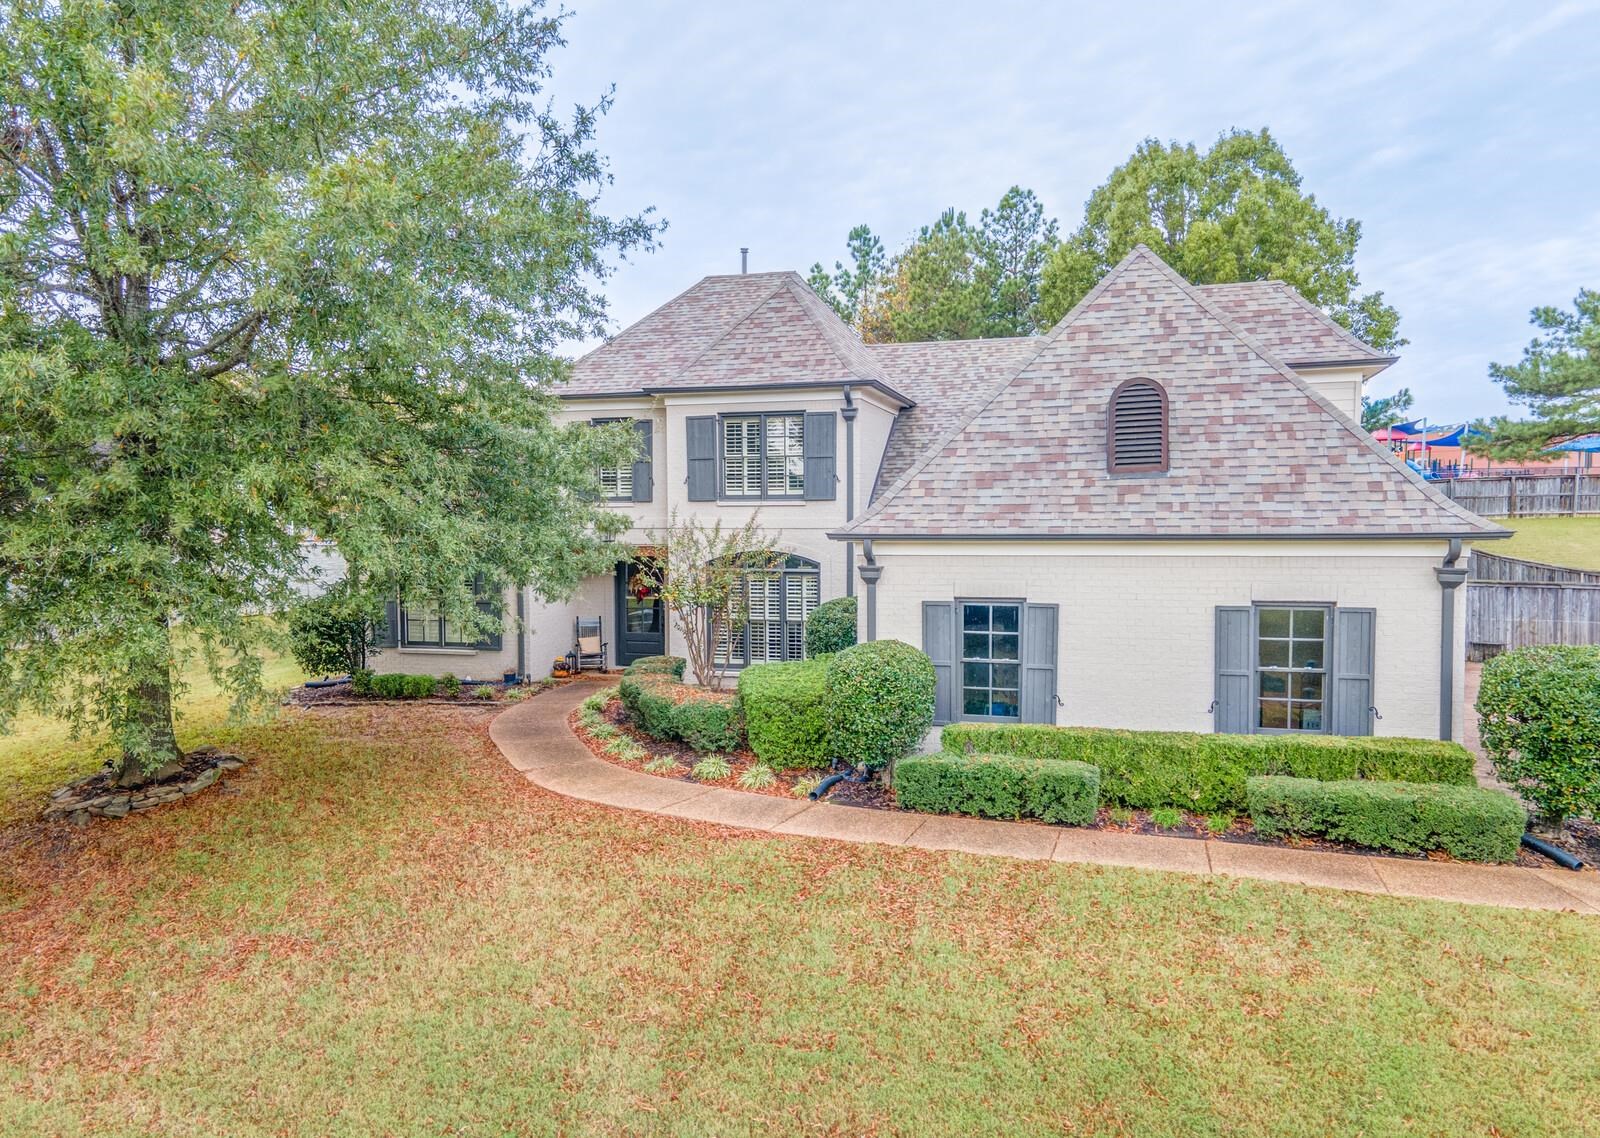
(685, 756)
(1582, 838)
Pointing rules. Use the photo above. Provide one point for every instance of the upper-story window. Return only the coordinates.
(630, 482)
(1136, 428)
(764, 456)
(761, 456)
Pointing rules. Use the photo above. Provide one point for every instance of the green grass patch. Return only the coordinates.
(1573, 542)
(383, 929)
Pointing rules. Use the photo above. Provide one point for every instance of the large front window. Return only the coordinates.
(777, 602)
(764, 456)
(991, 655)
(1291, 668)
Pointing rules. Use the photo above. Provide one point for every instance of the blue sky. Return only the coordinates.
(1464, 137)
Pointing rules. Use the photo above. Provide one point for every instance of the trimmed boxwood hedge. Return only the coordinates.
(831, 627)
(879, 702)
(666, 709)
(999, 786)
(392, 685)
(1469, 822)
(785, 712)
(1207, 773)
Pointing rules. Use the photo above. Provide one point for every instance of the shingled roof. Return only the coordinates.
(1290, 326)
(1254, 451)
(732, 332)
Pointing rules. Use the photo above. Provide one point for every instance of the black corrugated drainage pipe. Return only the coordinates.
(1555, 853)
(849, 774)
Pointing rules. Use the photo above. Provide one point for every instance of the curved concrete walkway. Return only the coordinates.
(534, 737)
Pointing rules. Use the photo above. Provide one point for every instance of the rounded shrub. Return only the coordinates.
(1540, 723)
(831, 627)
(879, 700)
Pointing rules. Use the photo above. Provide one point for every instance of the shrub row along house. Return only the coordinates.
(1160, 514)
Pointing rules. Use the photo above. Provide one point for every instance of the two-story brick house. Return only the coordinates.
(1161, 513)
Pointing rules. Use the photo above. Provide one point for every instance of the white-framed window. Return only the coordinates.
(616, 482)
(1292, 667)
(991, 660)
(778, 601)
(764, 455)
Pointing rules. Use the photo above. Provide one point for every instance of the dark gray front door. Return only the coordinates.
(641, 617)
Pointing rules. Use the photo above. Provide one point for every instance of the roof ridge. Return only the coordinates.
(1340, 419)
(826, 337)
(735, 326)
(937, 447)
(1339, 329)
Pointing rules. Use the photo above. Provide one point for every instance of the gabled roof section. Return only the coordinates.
(732, 332)
(1255, 452)
(1290, 326)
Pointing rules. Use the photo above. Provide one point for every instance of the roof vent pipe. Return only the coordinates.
(744, 259)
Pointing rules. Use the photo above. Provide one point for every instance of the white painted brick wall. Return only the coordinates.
(1137, 619)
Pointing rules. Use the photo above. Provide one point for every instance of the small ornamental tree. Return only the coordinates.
(1540, 710)
(702, 580)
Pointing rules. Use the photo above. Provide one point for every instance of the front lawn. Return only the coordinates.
(378, 928)
(1573, 542)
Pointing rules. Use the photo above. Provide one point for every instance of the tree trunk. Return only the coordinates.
(155, 755)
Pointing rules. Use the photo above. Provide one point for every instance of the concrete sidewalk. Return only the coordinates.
(535, 739)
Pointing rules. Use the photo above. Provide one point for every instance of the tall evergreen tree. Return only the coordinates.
(1558, 379)
(1235, 212)
(270, 269)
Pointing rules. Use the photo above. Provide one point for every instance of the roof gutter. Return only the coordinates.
(905, 401)
(1332, 535)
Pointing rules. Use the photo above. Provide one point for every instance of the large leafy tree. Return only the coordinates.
(955, 280)
(270, 269)
(1235, 212)
(1558, 380)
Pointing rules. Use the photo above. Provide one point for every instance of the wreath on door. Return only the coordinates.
(639, 585)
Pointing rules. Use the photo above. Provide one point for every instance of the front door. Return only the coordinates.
(641, 617)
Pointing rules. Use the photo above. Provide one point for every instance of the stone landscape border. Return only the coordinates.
(93, 797)
(535, 739)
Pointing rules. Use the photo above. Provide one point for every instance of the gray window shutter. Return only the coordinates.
(388, 631)
(1235, 671)
(494, 640)
(701, 447)
(1039, 650)
(939, 642)
(821, 443)
(643, 468)
(1353, 651)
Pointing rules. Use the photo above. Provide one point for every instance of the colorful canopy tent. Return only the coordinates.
(1585, 443)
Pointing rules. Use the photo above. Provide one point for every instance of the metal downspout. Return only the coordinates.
(870, 572)
(850, 412)
(1450, 577)
(522, 636)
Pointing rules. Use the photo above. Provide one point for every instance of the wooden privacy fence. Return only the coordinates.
(1513, 603)
(1526, 495)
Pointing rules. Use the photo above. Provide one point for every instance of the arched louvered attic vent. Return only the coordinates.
(1136, 428)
